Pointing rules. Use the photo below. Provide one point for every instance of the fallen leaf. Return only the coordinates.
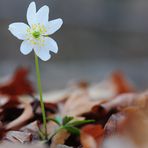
(122, 85)
(18, 137)
(18, 84)
(91, 135)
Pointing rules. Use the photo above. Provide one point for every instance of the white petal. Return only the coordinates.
(50, 45)
(19, 30)
(42, 53)
(42, 15)
(26, 47)
(31, 13)
(53, 26)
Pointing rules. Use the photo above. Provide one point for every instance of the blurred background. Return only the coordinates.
(98, 37)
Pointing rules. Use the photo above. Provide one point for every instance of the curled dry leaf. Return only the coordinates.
(131, 123)
(18, 137)
(88, 141)
(78, 103)
(99, 114)
(23, 118)
(91, 135)
(125, 100)
(59, 138)
(122, 85)
(120, 102)
(18, 84)
(33, 129)
(115, 123)
(109, 88)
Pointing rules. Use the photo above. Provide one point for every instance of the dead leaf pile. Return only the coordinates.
(120, 113)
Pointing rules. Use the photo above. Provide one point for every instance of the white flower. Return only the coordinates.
(35, 35)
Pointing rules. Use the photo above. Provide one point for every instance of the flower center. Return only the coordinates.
(36, 34)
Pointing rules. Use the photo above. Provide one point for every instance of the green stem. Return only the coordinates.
(41, 96)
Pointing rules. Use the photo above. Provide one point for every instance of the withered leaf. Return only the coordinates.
(122, 85)
(18, 84)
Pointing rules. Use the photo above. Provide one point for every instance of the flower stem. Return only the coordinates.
(41, 96)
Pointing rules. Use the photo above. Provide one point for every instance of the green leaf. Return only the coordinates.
(72, 130)
(67, 120)
(59, 119)
(54, 120)
(81, 122)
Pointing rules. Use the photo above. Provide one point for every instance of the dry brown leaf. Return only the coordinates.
(79, 103)
(18, 137)
(122, 85)
(18, 84)
(91, 135)
(60, 138)
(22, 119)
